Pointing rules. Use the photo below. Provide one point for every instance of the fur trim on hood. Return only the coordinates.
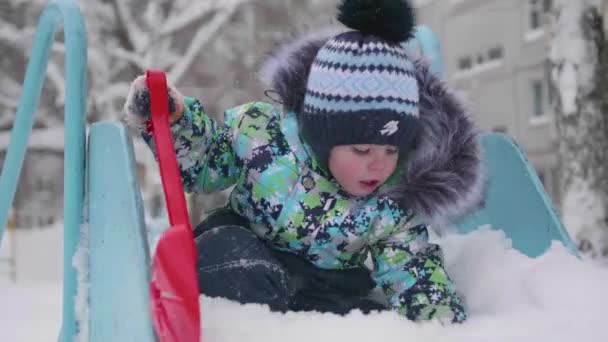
(444, 179)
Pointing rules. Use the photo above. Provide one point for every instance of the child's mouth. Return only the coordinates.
(369, 185)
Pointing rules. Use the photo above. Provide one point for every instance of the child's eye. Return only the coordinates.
(360, 151)
(391, 151)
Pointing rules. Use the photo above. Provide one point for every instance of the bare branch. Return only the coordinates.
(114, 91)
(130, 36)
(132, 57)
(185, 18)
(202, 37)
(15, 37)
(8, 101)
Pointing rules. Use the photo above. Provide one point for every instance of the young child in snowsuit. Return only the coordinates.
(367, 147)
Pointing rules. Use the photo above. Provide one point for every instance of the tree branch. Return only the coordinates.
(132, 57)
(202, 37)
(187, 17)
(127, 33)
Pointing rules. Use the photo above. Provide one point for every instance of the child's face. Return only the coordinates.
(361, 169)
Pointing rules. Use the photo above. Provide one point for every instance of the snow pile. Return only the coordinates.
(30, 312)
(510, 298)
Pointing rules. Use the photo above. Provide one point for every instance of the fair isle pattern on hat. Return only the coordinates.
(361, 90)
(353, 73)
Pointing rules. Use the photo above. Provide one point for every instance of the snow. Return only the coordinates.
(30, 309)
(534, 35)
(571, 54)
(38, 253)
(583, 223)
(30, 312)
(510, 297)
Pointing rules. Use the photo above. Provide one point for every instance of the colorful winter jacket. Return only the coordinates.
(296, 206)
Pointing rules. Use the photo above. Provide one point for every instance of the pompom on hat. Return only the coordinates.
(361, 87)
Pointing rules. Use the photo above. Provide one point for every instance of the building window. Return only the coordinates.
(538, 8)
(537, 99)
(465, 63)
(500, 129)
(495, 53)
(535, 21)
(479, 61)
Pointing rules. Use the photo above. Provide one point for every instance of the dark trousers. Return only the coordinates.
(234, 263)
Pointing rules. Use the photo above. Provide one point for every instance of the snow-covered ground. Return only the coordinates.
(30, 309)
(510, 297)
(30, 312)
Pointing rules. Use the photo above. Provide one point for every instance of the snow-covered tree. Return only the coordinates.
(18, 20)
(210, 49)
(128, 37)
(580, 78)
(124, 39)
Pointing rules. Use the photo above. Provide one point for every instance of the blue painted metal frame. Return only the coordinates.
(68, 13)
(119, 257)
(425, 44)
(516, 201)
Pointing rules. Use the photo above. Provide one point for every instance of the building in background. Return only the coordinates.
(495, 54)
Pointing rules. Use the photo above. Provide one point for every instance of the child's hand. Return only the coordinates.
(137, 106)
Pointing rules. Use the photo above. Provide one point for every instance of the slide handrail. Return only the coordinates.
(57, 12)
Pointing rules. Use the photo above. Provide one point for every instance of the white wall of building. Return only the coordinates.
(495, 55)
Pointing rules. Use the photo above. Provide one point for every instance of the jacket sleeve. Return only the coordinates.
(204, 150)
(410, 271)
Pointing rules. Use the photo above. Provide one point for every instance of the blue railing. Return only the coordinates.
(68, 13)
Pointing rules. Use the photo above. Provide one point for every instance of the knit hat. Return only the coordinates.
(361, 87)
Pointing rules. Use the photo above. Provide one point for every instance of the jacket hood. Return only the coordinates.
(444, 179)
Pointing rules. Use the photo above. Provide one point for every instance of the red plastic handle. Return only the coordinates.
(174, 293)
(167, 160)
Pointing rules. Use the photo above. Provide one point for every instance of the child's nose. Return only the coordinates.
(378, 163)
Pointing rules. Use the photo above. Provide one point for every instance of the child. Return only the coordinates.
(367, 146)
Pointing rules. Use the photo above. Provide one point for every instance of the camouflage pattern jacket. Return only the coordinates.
(294, 205)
